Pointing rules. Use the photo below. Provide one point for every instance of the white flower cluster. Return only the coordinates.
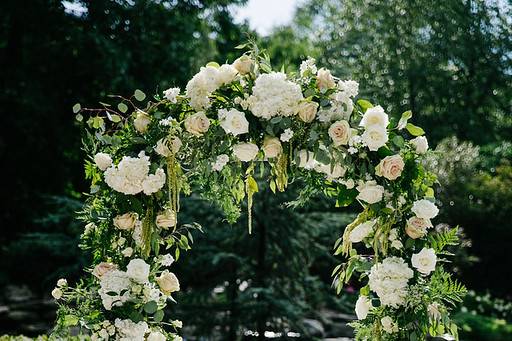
(389, 281)
(131, 176)
(375, 122)
(206, 81)
(274, 95)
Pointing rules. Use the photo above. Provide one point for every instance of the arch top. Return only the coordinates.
(232, 124)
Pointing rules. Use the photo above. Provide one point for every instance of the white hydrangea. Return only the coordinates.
(349, 87)
(114, 281)
(171, 94)
(206, 81)
(167, 260)
(388, 280)
(154, 182)
(273, 95)
(220, 162)
(131, 331)
(286, 135)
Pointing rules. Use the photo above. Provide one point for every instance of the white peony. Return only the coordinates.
(142, 121)
(154, 182)
(417, 227)
(103, 161)
(390, 167)
(388, 325)
(420, 144)
(243, 64)
(138, 270)
(339, 132)
(370, 192)
(220, 162)
(197, 124)
(307, 111)
(375, 137)
(349, 87)
(131, 331)
(156, 336)
(388, 280)
(171, 94)
(273, 95)
(272, 147)
(112, 284)
(424, 261)
(361, 231)
(126, 221)
(245, 151)
(425, 209)
(233, 122)
(168, 282)
(375, 117)
(363, 307)
(166, 147)
(324, 79)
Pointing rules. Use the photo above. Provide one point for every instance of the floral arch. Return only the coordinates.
(231, 122)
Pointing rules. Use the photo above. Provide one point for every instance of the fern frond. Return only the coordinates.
(444, 288)
(440, 240)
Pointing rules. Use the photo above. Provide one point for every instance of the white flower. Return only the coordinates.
(129, 175)
(197, 124)
(167, 260)
(324, 79)
(273, 95)
(128, 252)
(131, 331)
(102, 268)
(168, 282)
(156, 336)
(57, 293)
(233, 122)
(375, 137)
(375, 117)
(397, 244)
(339, 132)
(306, 159)
(166, 147)
(220, 162)
(308, 65)
(243, 64)
(363, 306)
(390, 167)
(245, 151)
(138, 270)
(171, 94)
(332, 172)
(349, 87)
(425, 209)
(154, 182)
(424, 261)
(272, 147)
(307, 111)
(388, 280)
(286, 135)
(142, 121)
(62, 282)
(103, 161)
(417, 227)
(226, 74)
(420, 143)
(388, 325)
(200, 87)
(361, 231)
(137, 233)
(125, 221)
(166, 219)
(370, 192)
(112, 284)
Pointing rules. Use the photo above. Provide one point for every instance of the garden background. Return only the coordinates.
(450, 63)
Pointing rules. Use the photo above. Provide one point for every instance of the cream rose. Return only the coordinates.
(125, 221)
(102, 268)
(340, 132)
(57, 293)
(307, 111)
(103, 161)
(425, 209)
(375, 137)
(168, 282)
(417, 227)
(363, 307)
(138, 270)
(166, 147)
(425, 261)
(142, 121)
(166, 219)
(272, 147)
(243, 64)
(361, 231)
(420, 144)
(370, 192)
(197, 124)
(390, 167)
(324, 79)
(233, 122)
(245, 151)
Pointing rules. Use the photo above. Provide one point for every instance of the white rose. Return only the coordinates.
(197, 124)
(171, 94)
(245, 151)
(102, 268)
(363, 306)
(340, 132)
(165, 147)
(226, 74)
(420, 143)
(138, 270)
(375, 137)
(388, 325)
(361, 231)
(243, 64)
(324, 79)
(125, 221)
(425, 209)
(57, 293)
(233, 121)
(370, 192)
(128, 252)
(142, 121)
(166, 219)
(417, 227)
(168, 282)
(307, 111)
(375, 117)
(390, 167)
(103, 161)
(62, 282)
(424, 261)
(272, 147)
(156, 336)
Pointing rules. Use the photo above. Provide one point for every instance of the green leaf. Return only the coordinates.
(76, 108)
(79, 118)
(122, 107)
(151, 307)
(364, 104)
(214, 64)
(136, 316)
(139, 95)
(398, 141)
(275, 120)
(414, 130)
(159, 316)
(345, 196)
(403, 120)
(70, 320)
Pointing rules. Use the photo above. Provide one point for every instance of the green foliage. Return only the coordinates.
(444, 288)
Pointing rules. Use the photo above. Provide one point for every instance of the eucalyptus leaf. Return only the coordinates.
(139, 95)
